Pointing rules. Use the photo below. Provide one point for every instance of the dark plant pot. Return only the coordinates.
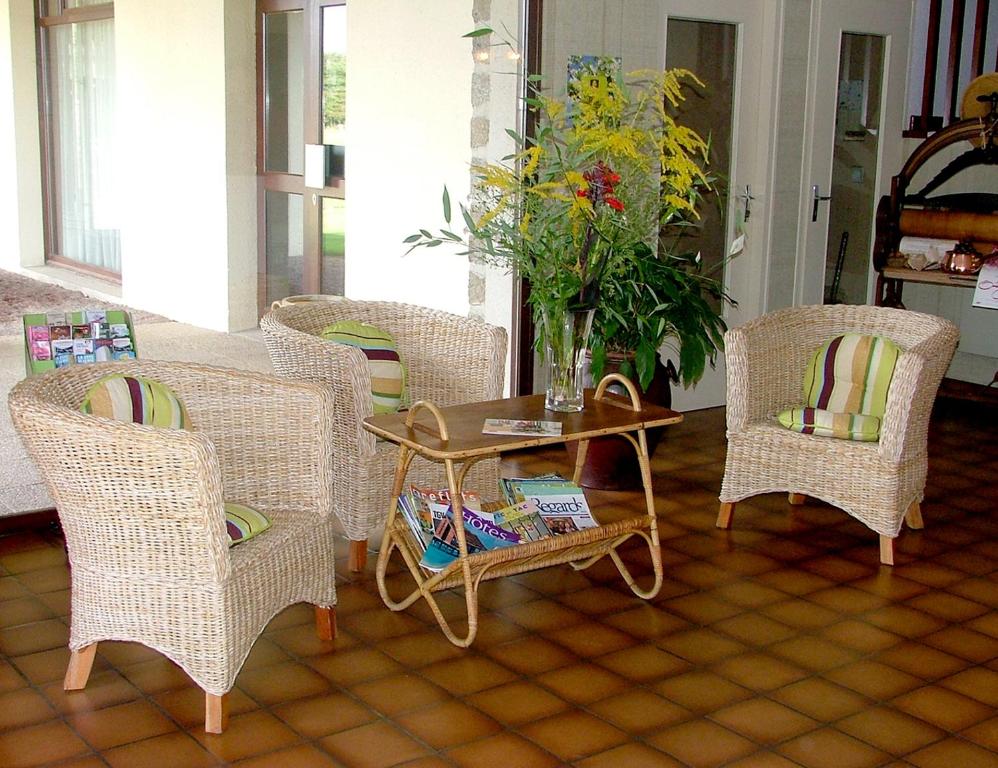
(611, 463)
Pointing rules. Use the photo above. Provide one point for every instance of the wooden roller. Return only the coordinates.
(949, 225)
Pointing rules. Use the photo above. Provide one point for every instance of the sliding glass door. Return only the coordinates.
(301, 147)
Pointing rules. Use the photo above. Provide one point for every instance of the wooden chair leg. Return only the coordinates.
(886, 550)
(796, 499)
(913, 517)
(80, 664)
(216, 712)
(358, 555)
(725, 514)
(325, 622)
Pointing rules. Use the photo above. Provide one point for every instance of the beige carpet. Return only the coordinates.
(21, 489)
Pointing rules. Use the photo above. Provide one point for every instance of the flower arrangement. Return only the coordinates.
(585, 208)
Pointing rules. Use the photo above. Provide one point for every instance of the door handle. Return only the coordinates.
(748, 197)
(817, 199)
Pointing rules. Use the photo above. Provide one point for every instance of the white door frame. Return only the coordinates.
(759, 47)
(829, 18)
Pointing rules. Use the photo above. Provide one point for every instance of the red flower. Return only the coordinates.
(601, 180)
(614, 203)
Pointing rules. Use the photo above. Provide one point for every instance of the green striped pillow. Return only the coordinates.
(243, 523)
(851, 374)
(388, 376)
(847, 426)
(137, 400)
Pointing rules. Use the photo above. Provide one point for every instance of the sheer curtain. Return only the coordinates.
(82, 97)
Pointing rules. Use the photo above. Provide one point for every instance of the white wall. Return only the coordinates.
(21, 240)
(186, 133)
(408, 108)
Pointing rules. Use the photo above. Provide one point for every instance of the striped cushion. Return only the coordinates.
(243, 523)
(847, 426)
(137, 400)
(388, 389)
(851, 374)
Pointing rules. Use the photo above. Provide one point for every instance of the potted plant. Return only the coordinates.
(588, 210)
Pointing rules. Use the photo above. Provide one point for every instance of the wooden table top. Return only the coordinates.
(610, 415)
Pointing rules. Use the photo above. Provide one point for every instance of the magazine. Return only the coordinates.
(422, 509)
(479, 534)
(524, 520)
(521, 427)
(560, 503)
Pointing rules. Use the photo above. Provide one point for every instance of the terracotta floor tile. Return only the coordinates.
(38, 744)
(376, 745)
(22, 707)
(583, 683)
(800, 613)
(903, 620)
(544, 614)
(795, 581)
(45, 580)
(11, 588)
(10, 679)
(155, 676)
(889, 585)
(631, 755)
(496, 750)
(519, 702)
(186, 705)
(647, 622)
(943, 707)
(420, 649)
(951, 753)
(639, 711)
(920, 660)
(467, 674)
(301, 756)
(764, 721)
(399, 693)
(282, 682)
(749, 593)
(701, 744)
(984, 734)
(379, 624)
(247, 735)
(24, 610)
(346, 668)
(587, 640)
(323, 715)
(168, 751)
(643, 663)
(812, 653)
(981, 590)
(46, 666)
(964, 643)
(33, 559)
(986, 624)
(120, 724)
(754, 629)
(573, 734)
(700, 646)
(448, 724)
(701, 691)
(597, 600)
(860, 636)
(759, 671)
(951, 608)
(977, 683)
(930, 574)
(821, 699)
(763, 760)
(890, 730)
(829, 748)
(878, 681)
(32, 638)
(531, 655)
(300, 641)
(701, 609)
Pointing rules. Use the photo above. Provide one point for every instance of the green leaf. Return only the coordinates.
(480, 32)
(446, 202)
(426, 233)
(433, 243)
(451, 235)
(644, 360)
(412, 239)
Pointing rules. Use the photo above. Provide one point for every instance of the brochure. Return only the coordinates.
(479, 533)
(526, 427)
(560, 503)
(524, 520)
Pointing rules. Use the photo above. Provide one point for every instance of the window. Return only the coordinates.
(76, 41)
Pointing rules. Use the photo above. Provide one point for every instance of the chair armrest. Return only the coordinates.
(765, 362)
(135, 501)
(919, 370)
(344, 369)
(273, 437)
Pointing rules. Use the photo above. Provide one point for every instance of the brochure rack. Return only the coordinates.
(453, 436)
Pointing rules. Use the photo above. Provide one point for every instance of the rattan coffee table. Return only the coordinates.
(453, 436)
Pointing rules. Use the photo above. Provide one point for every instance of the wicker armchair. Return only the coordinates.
(449, 360)
(142, 513)
(879, 483)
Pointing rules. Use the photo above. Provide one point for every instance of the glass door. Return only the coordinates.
(301, 124)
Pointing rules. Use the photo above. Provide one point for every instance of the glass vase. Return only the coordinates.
(566, 335)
